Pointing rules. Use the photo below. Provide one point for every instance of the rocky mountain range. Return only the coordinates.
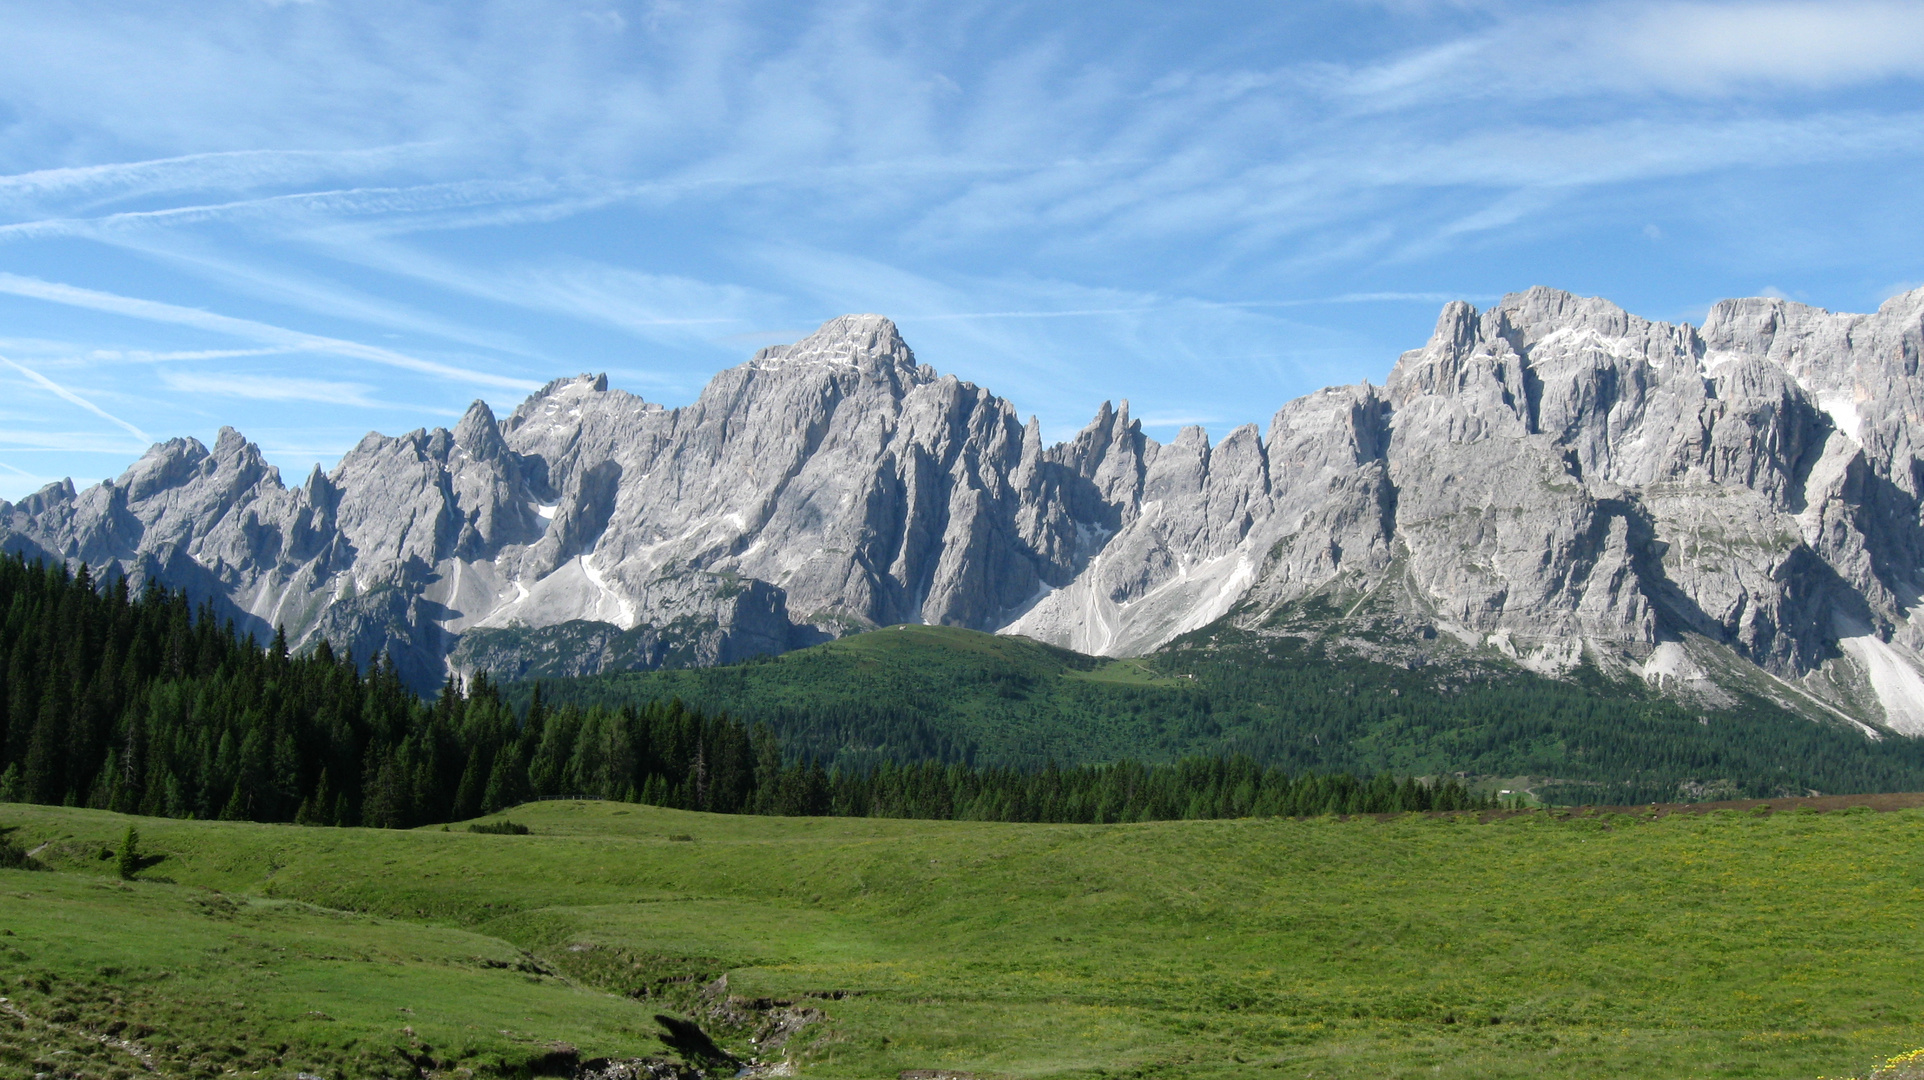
(1732, 509)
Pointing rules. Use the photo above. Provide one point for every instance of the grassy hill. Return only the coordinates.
(1722, 944)
(911, 693)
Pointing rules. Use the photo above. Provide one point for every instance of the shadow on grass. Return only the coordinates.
(143, 863)
(11, 855)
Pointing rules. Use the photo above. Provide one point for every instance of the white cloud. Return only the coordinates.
(1368, 298)
(1089, 155)
(155, 311)
(1183, 356)
(1633, 48)
(271, 388)
(221, 171)
(643, 303)
(69, 442)
(68, 395)
(17, 483)
(1071, 313)
(1053, 201)
(146, 356)
(426, 199)
(1802, 44)
(656, 306)
(250, 275)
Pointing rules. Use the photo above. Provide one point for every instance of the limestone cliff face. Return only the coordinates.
(1736, 506)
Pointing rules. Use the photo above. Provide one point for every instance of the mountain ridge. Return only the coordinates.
(1552, 480)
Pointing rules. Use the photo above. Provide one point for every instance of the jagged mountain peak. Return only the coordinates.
(173, 462)
(478, 435)
(163, 465)
(869, 343)
(1556, 309)
(1520, 322)
(1902, 304)
(1551, 479)
(558, 394)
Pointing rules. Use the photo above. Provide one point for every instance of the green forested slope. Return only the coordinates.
(909, 693)
(136, 704)
(1726, 944)
(915, 692)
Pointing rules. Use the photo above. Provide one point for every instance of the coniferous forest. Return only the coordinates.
(139, 702)
(921, 693)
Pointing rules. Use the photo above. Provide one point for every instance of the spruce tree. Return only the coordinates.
(129, 861)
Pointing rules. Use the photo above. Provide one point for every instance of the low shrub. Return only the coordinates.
(504, 827)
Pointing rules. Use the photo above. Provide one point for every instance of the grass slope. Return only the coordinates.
(1725, 944)
(916, 692)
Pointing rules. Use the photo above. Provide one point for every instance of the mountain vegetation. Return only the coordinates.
(923, 693)
(139, 704)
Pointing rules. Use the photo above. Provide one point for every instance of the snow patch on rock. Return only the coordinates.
(1841, 407)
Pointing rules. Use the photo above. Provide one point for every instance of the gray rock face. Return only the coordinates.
(1553, 479)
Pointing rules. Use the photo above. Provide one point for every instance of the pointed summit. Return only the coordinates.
(864, 342)
(479, 434)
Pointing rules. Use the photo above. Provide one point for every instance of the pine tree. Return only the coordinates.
(129, 861)
(506, 781)
(469, 794)
(45, 774)
(768, 768)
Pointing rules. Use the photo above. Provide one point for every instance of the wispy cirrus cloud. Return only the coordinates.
(1203, 205)
(1187, 356)
(271, 388)
(63, 443)
(1642, 47)
(148, 356)
(649, 305)
(1120, 152)
(329, 205)
(229, 170)
(246, 274)
(68, 395)
(155, 311)
(1719, 48)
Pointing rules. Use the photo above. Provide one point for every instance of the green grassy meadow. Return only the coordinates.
(1722, 944)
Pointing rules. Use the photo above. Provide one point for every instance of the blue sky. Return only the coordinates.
(309, 220)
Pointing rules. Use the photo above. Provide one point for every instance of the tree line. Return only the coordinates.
(1292, 702)
(1198, 787)
(142, 703)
